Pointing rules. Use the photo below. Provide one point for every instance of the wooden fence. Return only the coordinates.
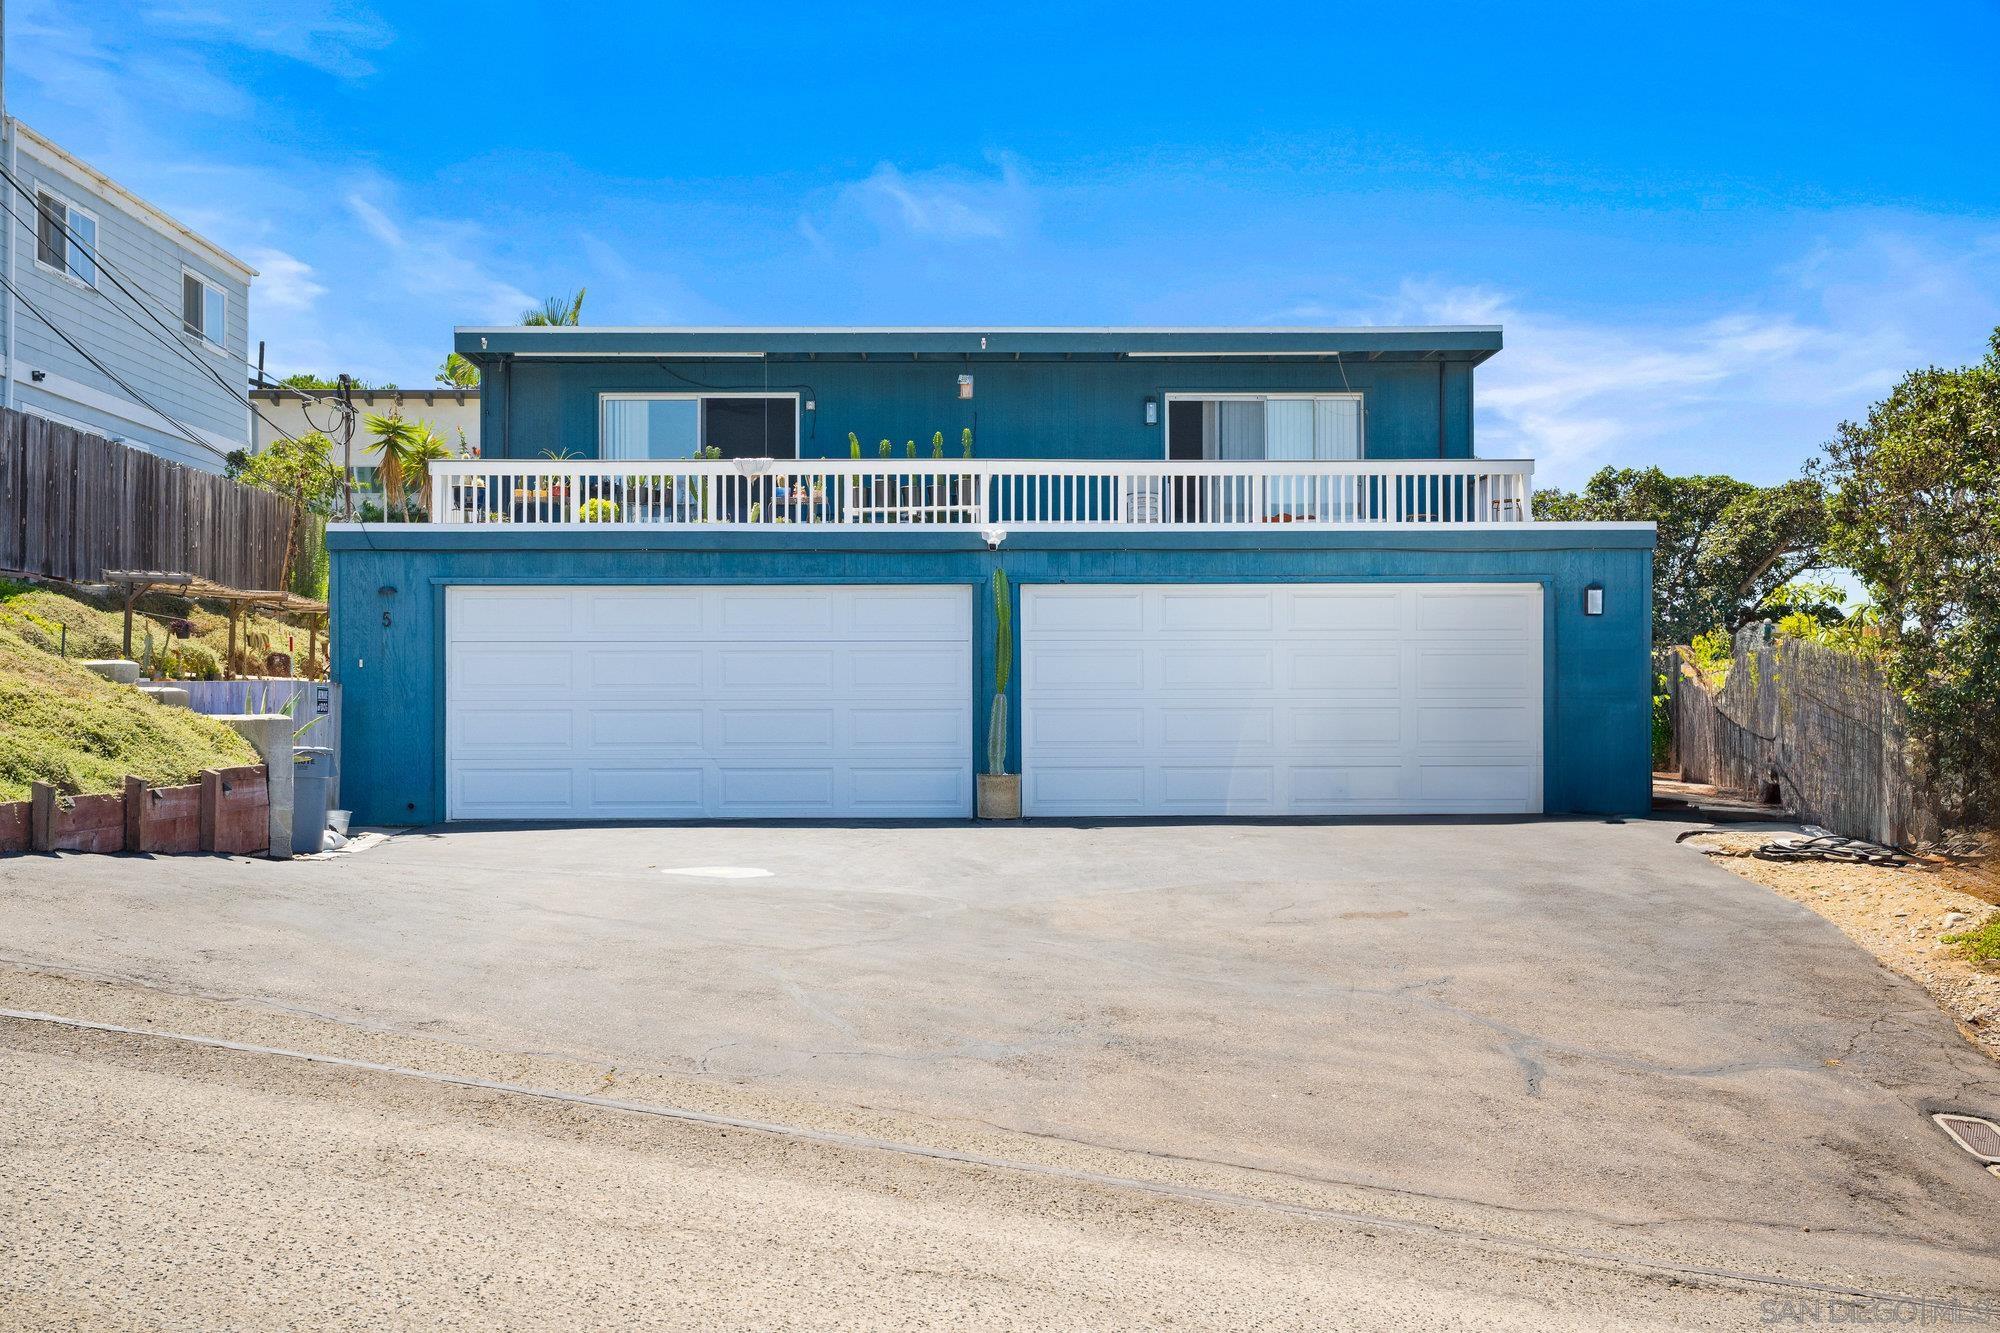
(73, 505)
(1815, 723)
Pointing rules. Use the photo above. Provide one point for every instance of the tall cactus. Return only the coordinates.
(1003, 671)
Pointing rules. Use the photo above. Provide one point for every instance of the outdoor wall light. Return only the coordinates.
(1152, 410)
(1593, 599)
(993, 536)
(965, 386)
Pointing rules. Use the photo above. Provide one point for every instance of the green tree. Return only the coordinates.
(556, 312)
(395, 446)
(301, 470)
(1914, 511)
(1724, 545)
(456, 372)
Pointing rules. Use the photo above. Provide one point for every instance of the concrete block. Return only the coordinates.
(270, 734)
(114, 669)
(167, 696)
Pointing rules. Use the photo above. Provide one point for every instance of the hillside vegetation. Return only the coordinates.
(62, 725)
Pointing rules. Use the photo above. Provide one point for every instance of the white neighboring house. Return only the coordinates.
(452, 412)
(197, 293)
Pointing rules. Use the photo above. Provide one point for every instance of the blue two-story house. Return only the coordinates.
(749, 573)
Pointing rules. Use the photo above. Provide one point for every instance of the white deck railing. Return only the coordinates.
(1070, 495)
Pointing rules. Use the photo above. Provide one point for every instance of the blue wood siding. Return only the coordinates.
(389, 586)
(1019, 409)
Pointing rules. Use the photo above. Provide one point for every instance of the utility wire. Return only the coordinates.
(187, 432)
(164, 333)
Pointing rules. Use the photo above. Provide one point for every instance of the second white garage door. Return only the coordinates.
(1302, 699)
(708, 703)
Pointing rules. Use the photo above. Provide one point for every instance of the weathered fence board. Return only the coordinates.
(1813, 722)
(73, 505)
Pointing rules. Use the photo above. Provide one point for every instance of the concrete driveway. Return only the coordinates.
(1571, 1031)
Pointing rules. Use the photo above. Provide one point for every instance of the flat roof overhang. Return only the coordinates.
(1464, 344)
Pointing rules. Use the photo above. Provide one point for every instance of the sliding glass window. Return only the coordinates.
(681, 425)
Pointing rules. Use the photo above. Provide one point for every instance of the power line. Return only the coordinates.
(164, 332)
(187, 432)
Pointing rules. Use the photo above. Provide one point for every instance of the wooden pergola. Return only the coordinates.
(136, 583)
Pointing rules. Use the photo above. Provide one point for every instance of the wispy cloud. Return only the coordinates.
(325, 34)
(284, 282)
(437, 258)
(946, 204)
(1764, 384)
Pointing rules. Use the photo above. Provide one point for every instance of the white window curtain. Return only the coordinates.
(1336, 428)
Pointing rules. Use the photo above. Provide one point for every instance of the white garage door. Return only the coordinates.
(708, 703)
(1281, 699)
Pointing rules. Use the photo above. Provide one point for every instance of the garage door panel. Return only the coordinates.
(943, 614)
(658, 713)
(1090, 728)
(891, 668)
(1473, 610)
(1464, 726)
(1105, 667)
(909, 789)
(1198, 612)
(1494, 786)
(1235, 787)
(1095, 611)
(924, 728)
(1342, 670)
(639, 670)
(500, 669)
(1183, 727)
(1355, 725)
(1305, 698)
(1343, 611)
(509, 614)
(773, 613)
(1086, 788)
(793, 730)
(773, 667)
(645, 728)
(667, 792)
(1218, 668)
(1325, 788)
(1507, 671)
(507, 728)
(641, 613)
(515, 788)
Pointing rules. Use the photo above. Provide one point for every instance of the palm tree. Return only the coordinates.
(394, 440)
(457, 373)
(426, 447)
(556, 312)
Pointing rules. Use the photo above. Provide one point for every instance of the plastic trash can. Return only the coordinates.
(312, 776)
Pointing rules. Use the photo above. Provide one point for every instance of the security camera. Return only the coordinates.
(994, 536)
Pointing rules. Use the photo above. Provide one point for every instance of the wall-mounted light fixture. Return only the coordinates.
(1152, 410)
(811, 405)
(965, 386)
(1593, 599)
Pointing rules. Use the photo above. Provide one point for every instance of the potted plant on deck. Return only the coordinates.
(1000, 791)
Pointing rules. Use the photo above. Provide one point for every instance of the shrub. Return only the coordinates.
(1982, 943)
(597, 511)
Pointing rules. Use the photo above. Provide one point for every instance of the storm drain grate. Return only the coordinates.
(1979, 1137)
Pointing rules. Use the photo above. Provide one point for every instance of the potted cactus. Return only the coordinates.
(1000, 791)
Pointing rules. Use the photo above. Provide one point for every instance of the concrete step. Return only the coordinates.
(115, 670)
(166, 696)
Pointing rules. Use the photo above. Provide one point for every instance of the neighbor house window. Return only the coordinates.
(65, 237)
(204, 308)
(681, 425)
(1278, 427)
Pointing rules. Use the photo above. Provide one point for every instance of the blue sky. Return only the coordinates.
(1710, 231)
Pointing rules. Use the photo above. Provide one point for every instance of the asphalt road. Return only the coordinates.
(154, 1185)
(1574, 1037)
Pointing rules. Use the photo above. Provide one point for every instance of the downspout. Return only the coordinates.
(7, 322)
(1440, 407)
(506, 404)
